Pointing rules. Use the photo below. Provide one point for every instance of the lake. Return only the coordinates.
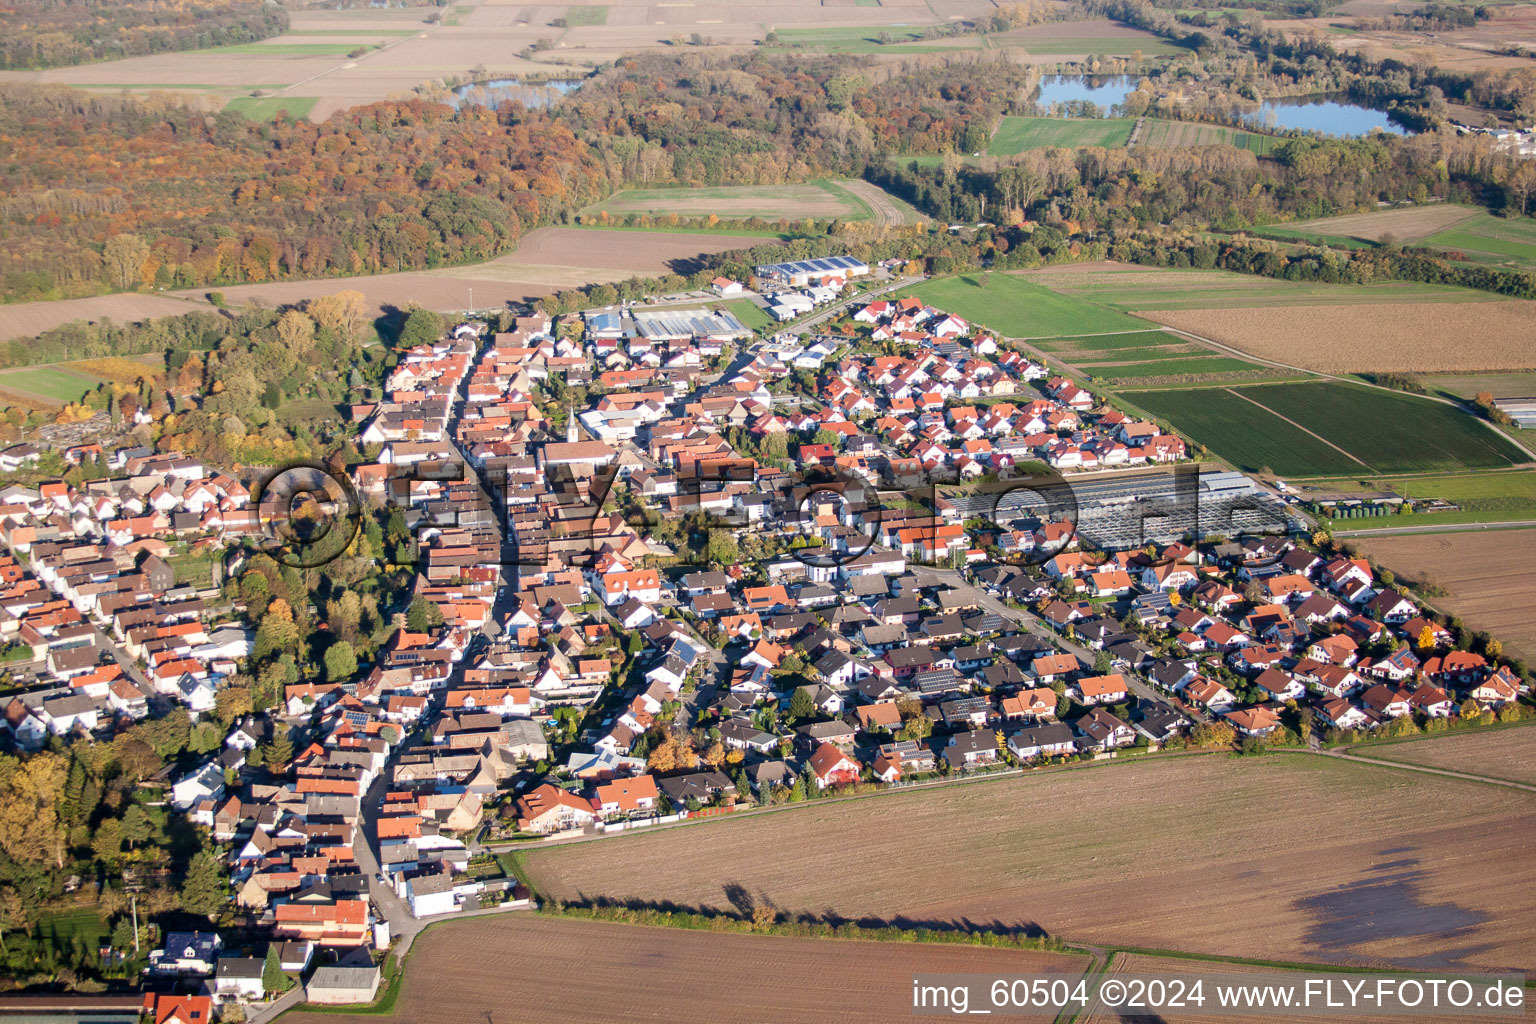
(530, 94)
(1103, 91)
(1324, 114)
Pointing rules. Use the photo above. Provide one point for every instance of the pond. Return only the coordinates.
(531, 94)
(1329, 115)
(1066, 92)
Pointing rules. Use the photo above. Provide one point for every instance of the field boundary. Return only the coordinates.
(1234, 393)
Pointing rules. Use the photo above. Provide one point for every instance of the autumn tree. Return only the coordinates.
(344, 314)
(123, 255)
(296, 330)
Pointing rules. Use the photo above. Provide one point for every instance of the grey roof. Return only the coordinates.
(239, 967)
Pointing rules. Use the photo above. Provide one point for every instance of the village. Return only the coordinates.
(669, 569)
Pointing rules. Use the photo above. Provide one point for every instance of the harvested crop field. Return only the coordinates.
(1486, 575)
(26, 319)
(1404, 224)
(729, 202)
(1499, 753)
(1128, 964)
(1410, 336)
(1103, 855)
(561, 970)
(545, 261)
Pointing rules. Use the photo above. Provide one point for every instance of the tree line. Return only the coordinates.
(56, 33)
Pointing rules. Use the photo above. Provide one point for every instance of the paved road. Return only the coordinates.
(833, 311)
(1033, 625)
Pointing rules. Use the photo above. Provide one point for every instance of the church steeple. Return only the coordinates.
(570, 423)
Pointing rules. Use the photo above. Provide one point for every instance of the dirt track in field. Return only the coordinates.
(1178, 853)
(525, 967)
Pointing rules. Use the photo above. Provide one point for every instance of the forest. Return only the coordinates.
(56, 33)
(160, 195)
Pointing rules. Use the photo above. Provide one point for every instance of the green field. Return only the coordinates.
(1394, 432)
(865, 40)
(1515, 384)
(1154, 288)
(1107, 46)
(1018, 308)
(265, 108)
(1247, 437)
(1108, 344)
(586, 16)
(1160, 134)
(818, 199)
(1016, 134)
(1109, 358)
(1489, 239)
(51, 384)
(750, 314)
(1487, 496)
(1384, 432)
(1189, 366)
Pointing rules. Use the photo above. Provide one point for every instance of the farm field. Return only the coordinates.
(1317, 428)
(1189, 368)
(1469, 385)
(1129, 287)
(1157, 133)
(1484, 496)
(1016, 134)
(1054, 39)
(545, 261)
(1486, 575)
(267, 107)
(1403, 224)
(27, 319)
(1391, 431)
(1167, 966)
(818, 199)
(475, 969)
(1507, 753)
(1251, 439)
(1062, 850)
(1405, 336)
(1019, 308)
(1489, 239)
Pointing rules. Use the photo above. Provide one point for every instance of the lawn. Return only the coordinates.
(49, 383)
(750, 314)
(1016, 134)
(265, 108)
(1393, 432)
(1386, 432)
(1018, 308)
